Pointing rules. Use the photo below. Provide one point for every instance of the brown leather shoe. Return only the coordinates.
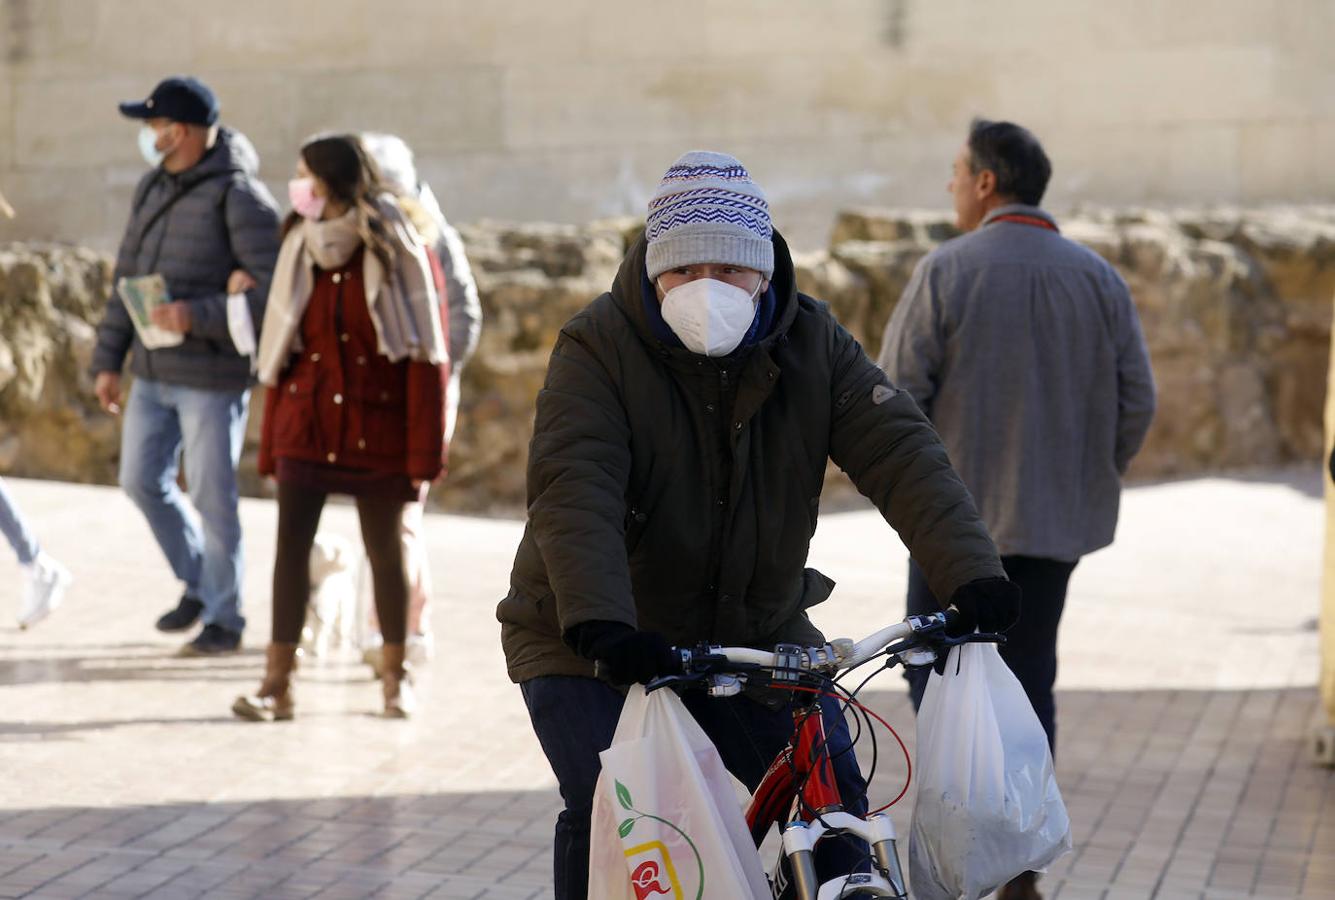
(397, 682)
(274, 701)
(1022, 887)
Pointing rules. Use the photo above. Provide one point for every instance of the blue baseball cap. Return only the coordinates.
(181, 99)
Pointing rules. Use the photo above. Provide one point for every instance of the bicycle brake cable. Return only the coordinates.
(859, 846)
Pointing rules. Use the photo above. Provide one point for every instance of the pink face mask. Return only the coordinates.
(301, 191)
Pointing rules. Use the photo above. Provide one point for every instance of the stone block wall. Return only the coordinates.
(1236, 305)
(571, 111)
(50, 423)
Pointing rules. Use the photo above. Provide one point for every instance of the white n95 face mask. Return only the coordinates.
(148, 146)
(710, 316)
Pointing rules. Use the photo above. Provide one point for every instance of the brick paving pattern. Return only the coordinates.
(1188, 662)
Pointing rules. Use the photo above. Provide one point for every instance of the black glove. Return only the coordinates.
(989, 604)
(627, 655)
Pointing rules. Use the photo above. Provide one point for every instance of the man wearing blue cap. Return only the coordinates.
(203, 226)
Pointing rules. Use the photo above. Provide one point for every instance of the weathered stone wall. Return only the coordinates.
(571, 111)
(1236, 307)
(531, 279)
(50, 423)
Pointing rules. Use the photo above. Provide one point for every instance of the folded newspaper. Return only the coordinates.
(141, 295)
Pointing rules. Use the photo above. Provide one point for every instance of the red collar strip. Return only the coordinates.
(1022, 219)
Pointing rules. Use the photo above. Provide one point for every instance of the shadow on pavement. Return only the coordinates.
(45, 731)
(1218, 780)
(162, 666)
(447, 845)
(1307, 479)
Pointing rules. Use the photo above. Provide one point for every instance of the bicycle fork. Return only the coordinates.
(799, 842)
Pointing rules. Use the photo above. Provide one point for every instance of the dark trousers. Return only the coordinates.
(575, 719)
(1031, 645)
(299, 510)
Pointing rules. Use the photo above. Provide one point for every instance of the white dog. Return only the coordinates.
(331, 617)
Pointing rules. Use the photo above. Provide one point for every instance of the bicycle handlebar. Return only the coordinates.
(840, 653)
(787, 663)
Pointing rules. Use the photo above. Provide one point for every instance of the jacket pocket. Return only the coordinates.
(816, 588)
(384, 426)
(534, 612)
(636, 522)
(296, 422)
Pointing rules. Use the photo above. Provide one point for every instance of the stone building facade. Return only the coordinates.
(569, 111)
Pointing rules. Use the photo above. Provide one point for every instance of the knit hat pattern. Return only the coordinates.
(708, 210)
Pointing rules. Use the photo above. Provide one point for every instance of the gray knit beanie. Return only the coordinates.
(708, 210)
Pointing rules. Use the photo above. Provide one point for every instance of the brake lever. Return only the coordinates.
(663, 681)
(702, 668)
(978, 637)
(936, 641)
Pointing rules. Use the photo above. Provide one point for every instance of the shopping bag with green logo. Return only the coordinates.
(667, 819)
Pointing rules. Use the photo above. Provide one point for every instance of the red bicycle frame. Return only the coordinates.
(806, 762)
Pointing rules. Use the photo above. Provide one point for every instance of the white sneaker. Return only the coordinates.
(421, 648)
(44, 584)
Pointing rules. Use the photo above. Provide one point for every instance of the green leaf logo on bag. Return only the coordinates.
(650, 863)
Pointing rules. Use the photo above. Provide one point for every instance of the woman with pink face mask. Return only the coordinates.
(353, 352)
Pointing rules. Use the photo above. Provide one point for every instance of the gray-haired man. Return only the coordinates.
(1025, 351)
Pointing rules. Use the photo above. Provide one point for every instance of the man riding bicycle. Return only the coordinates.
(674, 481)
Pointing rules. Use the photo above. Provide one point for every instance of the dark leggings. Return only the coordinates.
(381, 518)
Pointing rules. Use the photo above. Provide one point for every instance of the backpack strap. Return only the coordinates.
(165, 207)
(222, 214)
(141, 192)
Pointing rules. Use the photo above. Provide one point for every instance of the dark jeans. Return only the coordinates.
(575, 719)
(1031, 645)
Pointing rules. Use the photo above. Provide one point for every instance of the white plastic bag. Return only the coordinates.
(988, 806)
(666, 817)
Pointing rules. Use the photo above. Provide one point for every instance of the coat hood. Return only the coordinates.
(233, 152)
(628, 286)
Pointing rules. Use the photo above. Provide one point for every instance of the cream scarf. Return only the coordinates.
(404, 307)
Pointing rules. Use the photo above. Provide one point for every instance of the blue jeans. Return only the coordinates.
(201, 539)
(16, 530)
(575, 719)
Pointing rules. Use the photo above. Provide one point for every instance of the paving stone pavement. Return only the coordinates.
(1189, 659)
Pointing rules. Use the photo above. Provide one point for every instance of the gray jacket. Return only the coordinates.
(223, 219)
(1025, 351)
(461, 297)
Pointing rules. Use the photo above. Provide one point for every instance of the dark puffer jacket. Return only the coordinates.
(678, 493)
(224, 219)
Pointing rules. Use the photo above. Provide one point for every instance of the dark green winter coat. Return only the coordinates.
(678, 493)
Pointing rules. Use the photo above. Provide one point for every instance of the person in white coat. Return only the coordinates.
(398, 171)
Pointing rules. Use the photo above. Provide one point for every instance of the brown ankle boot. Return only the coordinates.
(1022, 887)
(273, 702)
(396, 680)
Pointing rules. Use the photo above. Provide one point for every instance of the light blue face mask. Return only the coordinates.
(148, 139)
